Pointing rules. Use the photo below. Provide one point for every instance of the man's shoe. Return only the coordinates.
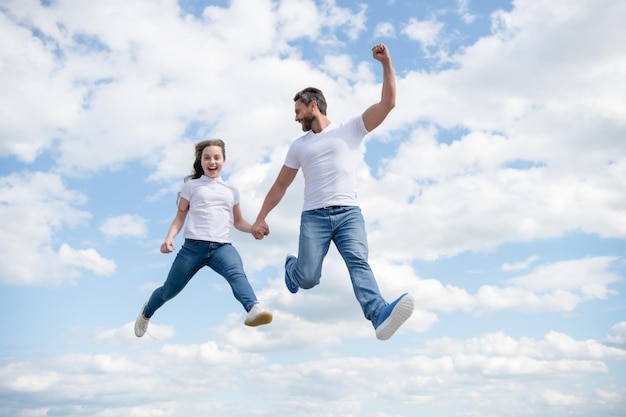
(291, 286)
(141, 324)
(393, 315)
(257, 316)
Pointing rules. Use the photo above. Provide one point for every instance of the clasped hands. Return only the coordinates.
(260, 229)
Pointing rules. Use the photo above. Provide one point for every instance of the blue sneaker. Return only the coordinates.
(393, 315)
(291, 286)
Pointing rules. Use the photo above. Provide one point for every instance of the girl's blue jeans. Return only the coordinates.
(223, 258)
(345, 227)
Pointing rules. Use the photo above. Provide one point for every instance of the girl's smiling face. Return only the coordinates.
(212, 161)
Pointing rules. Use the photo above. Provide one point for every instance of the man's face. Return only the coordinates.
(304, 115)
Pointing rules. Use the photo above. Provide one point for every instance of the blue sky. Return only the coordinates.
(494, 193)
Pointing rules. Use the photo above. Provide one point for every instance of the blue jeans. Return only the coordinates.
(346, 228)
(223, 258)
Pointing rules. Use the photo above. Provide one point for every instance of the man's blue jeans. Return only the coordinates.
(346, 228)
(223, 258)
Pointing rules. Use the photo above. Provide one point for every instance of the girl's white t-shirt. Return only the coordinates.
(329, 162)
(211, 203)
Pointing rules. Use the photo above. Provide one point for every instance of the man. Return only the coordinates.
(328, 155)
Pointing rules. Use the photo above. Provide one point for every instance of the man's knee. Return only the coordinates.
(308, 284)
(307, 281)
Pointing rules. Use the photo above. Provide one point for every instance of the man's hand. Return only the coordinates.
(380, 52)
(260, 229)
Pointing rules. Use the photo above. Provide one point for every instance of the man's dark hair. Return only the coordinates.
(310, 94)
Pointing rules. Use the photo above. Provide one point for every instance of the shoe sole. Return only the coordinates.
(263, 318)
(139, 332)
(400, 313)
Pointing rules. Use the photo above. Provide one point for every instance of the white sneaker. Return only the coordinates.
(257, 316)
(141, 324)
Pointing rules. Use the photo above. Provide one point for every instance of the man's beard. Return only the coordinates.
(307, 123)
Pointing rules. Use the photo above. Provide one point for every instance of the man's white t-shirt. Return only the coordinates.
(329, 161)
(211, 203)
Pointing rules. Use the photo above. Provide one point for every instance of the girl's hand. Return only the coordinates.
(168, 246)
(260, 229)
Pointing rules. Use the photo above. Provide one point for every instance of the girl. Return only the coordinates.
(213, 208)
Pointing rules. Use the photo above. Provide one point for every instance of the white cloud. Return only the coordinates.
(38, 206)
(88, 259)
(299, 18)
(618, 334)
(351, 22)
(559, 286)
(554, 398)
(32, 382)
(525, 264)
(554, 346)
(463, 11)
(424, 31)
(384, 30)
(590, 276)
(203, 375)
(125, 225)
(39, 100)
(210, 353)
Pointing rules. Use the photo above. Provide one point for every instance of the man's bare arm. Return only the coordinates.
(274, 195)
(376, 113)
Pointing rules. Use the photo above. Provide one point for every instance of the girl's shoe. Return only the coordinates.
(257, 316)
(141, 324)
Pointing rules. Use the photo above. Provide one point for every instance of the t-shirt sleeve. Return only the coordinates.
(185, 191)
(236, 196)
(291, 160)
(358, 128)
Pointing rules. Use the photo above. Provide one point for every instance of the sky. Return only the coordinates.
(494, 193)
